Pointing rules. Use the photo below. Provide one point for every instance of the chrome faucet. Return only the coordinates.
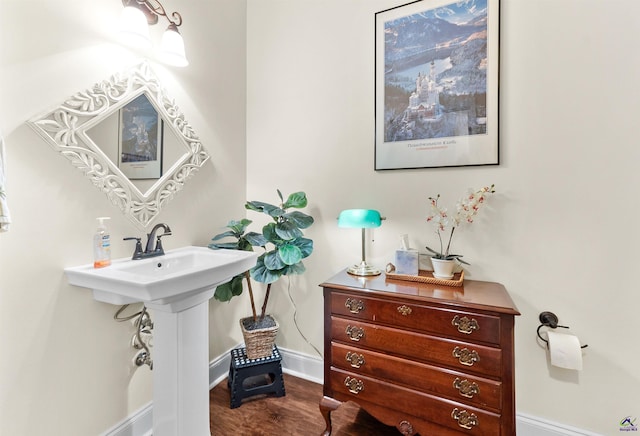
(149, 250)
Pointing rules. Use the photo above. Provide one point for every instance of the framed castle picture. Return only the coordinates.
(436, 84)
(140, 140)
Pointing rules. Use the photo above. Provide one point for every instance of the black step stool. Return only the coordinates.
(243, 368)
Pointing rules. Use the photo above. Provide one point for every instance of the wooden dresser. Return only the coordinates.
(427, 359)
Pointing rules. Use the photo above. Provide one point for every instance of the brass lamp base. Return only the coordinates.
(363, 269)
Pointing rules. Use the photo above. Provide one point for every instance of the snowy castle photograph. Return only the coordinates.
(435, 83)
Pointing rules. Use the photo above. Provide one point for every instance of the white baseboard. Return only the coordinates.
(139, 423)
(311, 368)
(219, 368)
(527, 425)
(302, 365)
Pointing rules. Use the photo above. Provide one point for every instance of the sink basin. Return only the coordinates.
(175, 275)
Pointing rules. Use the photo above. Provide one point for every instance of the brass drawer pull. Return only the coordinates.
(465, 356)
(354, 333)
(465, 419)
(404, 310)
(465, 325)
(354, 306)
(466, 388)
(355, 360)
(355, 386)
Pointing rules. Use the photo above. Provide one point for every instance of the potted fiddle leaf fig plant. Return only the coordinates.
(284, 248)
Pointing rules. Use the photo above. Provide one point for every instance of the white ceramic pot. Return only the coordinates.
(443, 269)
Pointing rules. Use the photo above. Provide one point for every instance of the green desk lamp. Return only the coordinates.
(363, 219)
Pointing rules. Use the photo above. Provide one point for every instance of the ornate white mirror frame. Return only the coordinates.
(65, 128)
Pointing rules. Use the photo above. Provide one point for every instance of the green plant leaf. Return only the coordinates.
(297, 200)
(260, 273)
(236, 285)
(287, 230)
(290, 254)
(225, 246)
(223, 292)
(269, 209)
(233, 288)
(244, 245)
(256, 239)
(273, 261)
(237, 231)
(305, 245)
(437, 253)
(223, 235)
(300, 219)
(239, 226)
(297, 268)
(270, 234)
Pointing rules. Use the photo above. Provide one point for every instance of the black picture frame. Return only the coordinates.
(437, 84)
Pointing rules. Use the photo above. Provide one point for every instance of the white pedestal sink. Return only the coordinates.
(177, 286)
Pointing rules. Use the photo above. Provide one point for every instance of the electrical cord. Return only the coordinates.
(295, 318)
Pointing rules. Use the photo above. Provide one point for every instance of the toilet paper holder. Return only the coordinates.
(549, 319)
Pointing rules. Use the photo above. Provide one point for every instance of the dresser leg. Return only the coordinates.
(328, 405)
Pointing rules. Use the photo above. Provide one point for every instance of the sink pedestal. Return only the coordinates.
(181, 367)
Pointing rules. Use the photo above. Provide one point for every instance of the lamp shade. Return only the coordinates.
(172, 48)
(134, 28)
(359, 218)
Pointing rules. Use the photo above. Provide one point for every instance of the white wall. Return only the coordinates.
(64, 363)
(560, 233)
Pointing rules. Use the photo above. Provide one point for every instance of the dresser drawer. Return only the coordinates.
(450, 414)
(458, 355)
(451, 323)
(456, 385)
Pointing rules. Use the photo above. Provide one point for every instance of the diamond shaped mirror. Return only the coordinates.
(129, 139)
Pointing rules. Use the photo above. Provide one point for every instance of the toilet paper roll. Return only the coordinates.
(565, 350)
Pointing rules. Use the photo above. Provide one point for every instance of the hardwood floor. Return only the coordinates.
(296, 413)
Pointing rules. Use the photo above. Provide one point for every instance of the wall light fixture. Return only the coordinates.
(135, 20)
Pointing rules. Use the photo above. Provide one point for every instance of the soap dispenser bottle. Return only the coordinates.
(101, 245)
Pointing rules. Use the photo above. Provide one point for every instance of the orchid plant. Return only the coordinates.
(466, 210)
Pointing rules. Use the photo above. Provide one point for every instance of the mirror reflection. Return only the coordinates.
(143, 150)
(129, 138)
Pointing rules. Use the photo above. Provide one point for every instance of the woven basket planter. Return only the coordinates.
(259, 342)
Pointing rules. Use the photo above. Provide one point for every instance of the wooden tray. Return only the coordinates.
(427, 277)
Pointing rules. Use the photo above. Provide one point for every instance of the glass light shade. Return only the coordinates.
(172, 48)
(359, 218)
(134, 29)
